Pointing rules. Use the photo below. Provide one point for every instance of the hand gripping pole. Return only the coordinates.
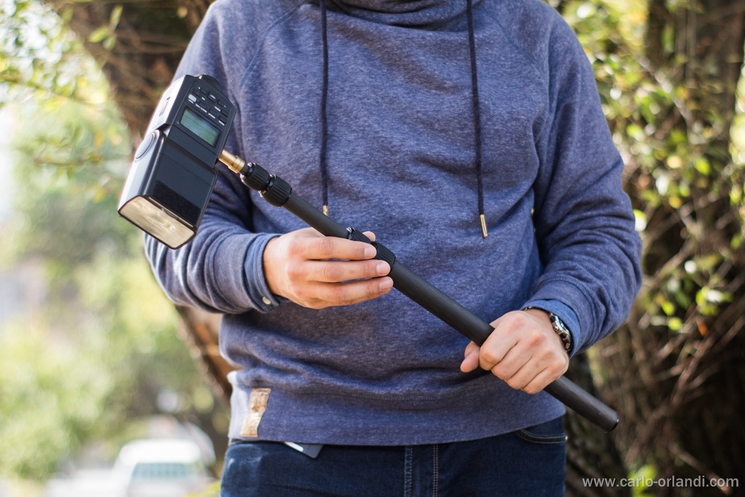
(279, 193)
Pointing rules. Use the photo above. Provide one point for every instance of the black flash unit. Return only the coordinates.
(173, 172)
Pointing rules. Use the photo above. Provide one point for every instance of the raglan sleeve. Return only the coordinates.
(220, 269)
(583, 219)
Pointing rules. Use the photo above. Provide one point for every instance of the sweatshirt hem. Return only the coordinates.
(339, 419)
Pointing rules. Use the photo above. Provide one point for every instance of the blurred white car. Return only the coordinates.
(161, 468)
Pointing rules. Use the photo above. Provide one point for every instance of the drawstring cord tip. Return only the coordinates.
(484, 232)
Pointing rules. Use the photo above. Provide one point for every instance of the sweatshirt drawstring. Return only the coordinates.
(324, 119)
(476, 109)
(476, 116)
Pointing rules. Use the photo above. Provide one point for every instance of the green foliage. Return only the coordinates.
(91, 363)
(39, 56)
(73, 157)
(675, 150)
(668, 369)
(641, 478)
(106, 35)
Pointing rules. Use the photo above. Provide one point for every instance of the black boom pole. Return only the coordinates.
(279, 193)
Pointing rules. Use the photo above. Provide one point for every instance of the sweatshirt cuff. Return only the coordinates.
(565, 313)
(256, 286)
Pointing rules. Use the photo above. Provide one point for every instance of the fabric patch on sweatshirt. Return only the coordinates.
(256, 405)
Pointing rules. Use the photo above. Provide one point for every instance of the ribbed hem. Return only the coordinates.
(487, 408)
(229, 282)
(247, 289)
(256, 286)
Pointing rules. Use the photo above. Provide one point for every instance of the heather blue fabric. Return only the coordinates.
(527, 463)
(401, 163)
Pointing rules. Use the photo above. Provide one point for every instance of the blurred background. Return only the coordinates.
(93, 356)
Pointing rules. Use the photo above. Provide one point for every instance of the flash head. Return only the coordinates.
(173, 172)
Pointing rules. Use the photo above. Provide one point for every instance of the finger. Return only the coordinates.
(336, 248)
(509, 368)
(538, 367)
(496, 346)
(370, 235)
(520, 376)
(471, 360)
(338, 271)
(354, 292)
(540, 381)
(470, 348)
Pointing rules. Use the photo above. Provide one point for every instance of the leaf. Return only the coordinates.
(674, 162)
(736, 241)
(99, 34)
(702, 165)
(640, 220)
(675, 324)
(682, 299)
(116, 14)
(109, 42)
(635, 132)
(717, 297)
(668, 308)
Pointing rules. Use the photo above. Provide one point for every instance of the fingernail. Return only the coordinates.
(385, 284)
(381, 268)
(369, 252)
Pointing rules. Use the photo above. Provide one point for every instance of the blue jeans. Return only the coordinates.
(529, 462)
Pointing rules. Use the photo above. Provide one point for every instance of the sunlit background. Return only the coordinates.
(91, 355)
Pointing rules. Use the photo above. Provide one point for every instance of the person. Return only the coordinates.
(469, 139)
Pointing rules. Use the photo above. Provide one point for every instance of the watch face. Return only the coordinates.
(557, 322)
(561, 330)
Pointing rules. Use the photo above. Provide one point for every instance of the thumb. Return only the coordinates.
(471, 360)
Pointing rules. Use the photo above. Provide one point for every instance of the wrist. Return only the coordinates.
(556, 325)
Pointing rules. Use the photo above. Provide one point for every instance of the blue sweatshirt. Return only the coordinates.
(400, 159)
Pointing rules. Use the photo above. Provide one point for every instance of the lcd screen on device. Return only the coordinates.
(200, 126)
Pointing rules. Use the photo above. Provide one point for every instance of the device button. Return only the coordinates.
(192, 98)
(147, 142)
(212, 97)
(201, 108)
(209, 79)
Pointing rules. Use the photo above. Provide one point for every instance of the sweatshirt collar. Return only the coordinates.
(410, 13)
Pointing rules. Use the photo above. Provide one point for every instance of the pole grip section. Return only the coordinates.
(440, 304)
(314, 218)
(583, 403)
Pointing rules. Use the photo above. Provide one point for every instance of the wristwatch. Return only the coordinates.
(559, 328)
